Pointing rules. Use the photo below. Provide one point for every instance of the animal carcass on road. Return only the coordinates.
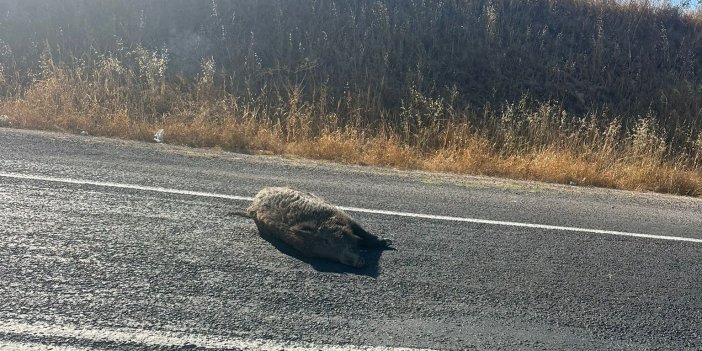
(312, 226)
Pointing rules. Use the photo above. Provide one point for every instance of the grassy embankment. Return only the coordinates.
(569, 129)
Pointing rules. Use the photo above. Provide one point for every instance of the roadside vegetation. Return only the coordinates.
(587, 92)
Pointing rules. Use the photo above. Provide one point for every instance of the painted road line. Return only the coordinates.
(355, 209)
(523, 225)
(143, 338)
(124, 186)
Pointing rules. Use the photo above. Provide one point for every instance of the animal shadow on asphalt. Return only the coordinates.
(371, 256)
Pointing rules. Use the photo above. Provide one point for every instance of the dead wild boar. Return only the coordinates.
(312, 226)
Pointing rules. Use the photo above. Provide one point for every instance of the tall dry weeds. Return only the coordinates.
(356, 85)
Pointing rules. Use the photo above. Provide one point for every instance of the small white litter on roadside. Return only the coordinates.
(158, 137)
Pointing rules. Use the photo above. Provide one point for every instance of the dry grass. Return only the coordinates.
(622, 73)
(522, 141)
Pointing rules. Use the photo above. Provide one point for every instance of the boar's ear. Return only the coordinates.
(304, 228)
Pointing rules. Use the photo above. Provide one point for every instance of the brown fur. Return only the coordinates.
(312, 226)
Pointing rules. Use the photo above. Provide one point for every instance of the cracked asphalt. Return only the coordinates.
(107, 258)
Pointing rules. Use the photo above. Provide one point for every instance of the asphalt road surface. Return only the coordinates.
(118, 245)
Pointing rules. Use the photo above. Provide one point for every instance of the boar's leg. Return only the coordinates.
(368, 239)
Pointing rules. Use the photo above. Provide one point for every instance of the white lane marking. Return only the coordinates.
(150, 338)
(355, 209)
(123, 186)
(524, 225)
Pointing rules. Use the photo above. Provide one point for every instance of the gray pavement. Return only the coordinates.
(88, 266)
